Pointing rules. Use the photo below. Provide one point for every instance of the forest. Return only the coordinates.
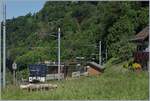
(33, 37)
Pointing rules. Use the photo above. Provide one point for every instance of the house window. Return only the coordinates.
(142, 48)
(147, 49)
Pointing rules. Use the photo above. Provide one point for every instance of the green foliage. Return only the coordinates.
(119, 35)
(9, 77)
(131, 65)
(82, 24)
(24, 73)
(33, 56)
(143, 17)
(136, 66)
(126, 65)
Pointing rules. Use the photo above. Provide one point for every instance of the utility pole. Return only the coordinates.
(14, 67)
(100, 53)
(106, 54)
(0, 45)
(4, 44)
(58, 53)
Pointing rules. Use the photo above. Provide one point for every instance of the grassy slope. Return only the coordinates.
(115, 83)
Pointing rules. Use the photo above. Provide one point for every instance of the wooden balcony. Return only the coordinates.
(141, 56)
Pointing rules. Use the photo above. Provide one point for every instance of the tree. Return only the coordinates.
(82, 23)
(119, 35)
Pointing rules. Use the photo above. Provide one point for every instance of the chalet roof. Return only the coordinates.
(142, 35)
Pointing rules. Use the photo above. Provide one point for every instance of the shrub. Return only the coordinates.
(126, 65)
(131, 65)
(136, 66)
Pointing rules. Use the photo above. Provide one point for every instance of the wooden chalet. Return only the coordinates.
(141, 55)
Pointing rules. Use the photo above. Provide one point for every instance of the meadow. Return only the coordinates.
(115, 83)
(86, 28)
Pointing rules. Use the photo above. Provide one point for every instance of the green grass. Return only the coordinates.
(114, 83)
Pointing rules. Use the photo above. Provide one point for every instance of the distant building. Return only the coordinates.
(43, 72)
(141, 55)
(49, 70)
(52, 72)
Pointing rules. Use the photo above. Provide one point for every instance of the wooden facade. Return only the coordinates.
(92, 71)
(141, 55)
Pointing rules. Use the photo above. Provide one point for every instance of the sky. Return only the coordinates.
(15, 8)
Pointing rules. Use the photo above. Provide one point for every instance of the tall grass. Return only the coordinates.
(114, 83)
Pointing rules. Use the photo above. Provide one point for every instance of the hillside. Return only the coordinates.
(82, 24)
(33, 38)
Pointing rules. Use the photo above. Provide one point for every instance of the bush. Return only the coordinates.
(126, 65)
(131, 65)
(23, 74)
(136, 66)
